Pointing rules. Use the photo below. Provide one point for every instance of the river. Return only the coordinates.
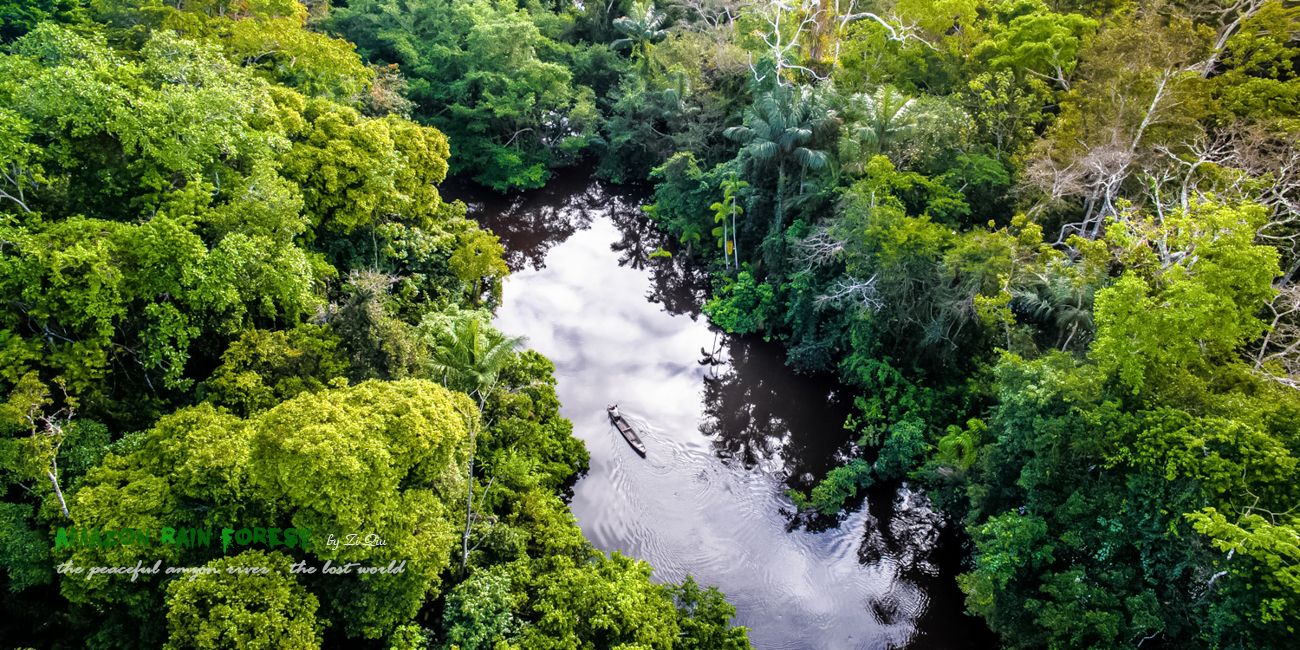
(728, 428)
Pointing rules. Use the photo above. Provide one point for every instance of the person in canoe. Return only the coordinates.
(624, 428)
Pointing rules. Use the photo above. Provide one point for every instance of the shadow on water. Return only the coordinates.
(730, 427)
(675, 283)
(530, 223)
(902, 529)
(759, 413)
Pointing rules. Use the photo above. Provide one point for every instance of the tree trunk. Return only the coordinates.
(469, 515)
(735, 234)
(469, 497)
(469, 490)
(726, 257)
(63, 504)
(780, 196)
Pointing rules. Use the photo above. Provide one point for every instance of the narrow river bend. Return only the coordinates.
(728, 428)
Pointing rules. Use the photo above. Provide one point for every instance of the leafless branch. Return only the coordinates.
(1278, 356)
(817, 249)
(851, 293)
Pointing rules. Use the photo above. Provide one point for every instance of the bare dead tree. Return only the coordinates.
(1278, 356)
(1269, 163)
(893, 24)
(474, 424)
(782, 43)
(817, 249)
(1241, 163)
(1133, 98)
(1230, 18)
(851, 293)
(1097, 177)
(1185, 163)
(715, 14)
(812, 21)
(17, 176)
(1057, 179)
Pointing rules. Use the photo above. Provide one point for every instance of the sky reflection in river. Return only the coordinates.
(724, 439)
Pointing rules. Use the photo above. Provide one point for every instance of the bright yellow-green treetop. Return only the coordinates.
(378, 458)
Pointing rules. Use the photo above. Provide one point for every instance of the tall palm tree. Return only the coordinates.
(886, 116)
(642, 26)
(777, 127)
(468, 356)
(730, 187)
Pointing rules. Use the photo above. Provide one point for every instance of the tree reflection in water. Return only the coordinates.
(530, 223)
(675, 283)
(902, 531)
(759, 412)
(909, 533)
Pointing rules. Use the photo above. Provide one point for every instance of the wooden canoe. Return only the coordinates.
(624, 428)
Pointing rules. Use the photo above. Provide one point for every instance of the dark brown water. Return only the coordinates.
(728, 428)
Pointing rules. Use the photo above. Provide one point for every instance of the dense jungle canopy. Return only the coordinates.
(1052, 246)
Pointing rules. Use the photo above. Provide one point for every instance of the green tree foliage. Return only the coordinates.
(642, 27)
(152, 286)
(479, 77)
(17, 17)
(703, 615)
(742, 306)
(1192, 299)
(478, 610)
(1152, 429)
(404, 439)
(377, 344)
(264, 368)
(409, 637)
(201, 179)
(885, 117)
(368, 186)
(611, 599)
(529, 444)
(378, 457)
(478, 258)
(777, 130)
(105, 281)
(47, 452)
(467, 354)
(683, 197)
(1037, 239)
(243, 610)
(655, 119)
(273, 43)
(1032, 39)
(1142, 568)
(724, 210)
(690, 87)
(26, 555)
(356, 171)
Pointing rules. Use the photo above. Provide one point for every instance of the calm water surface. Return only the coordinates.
(728, 428)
